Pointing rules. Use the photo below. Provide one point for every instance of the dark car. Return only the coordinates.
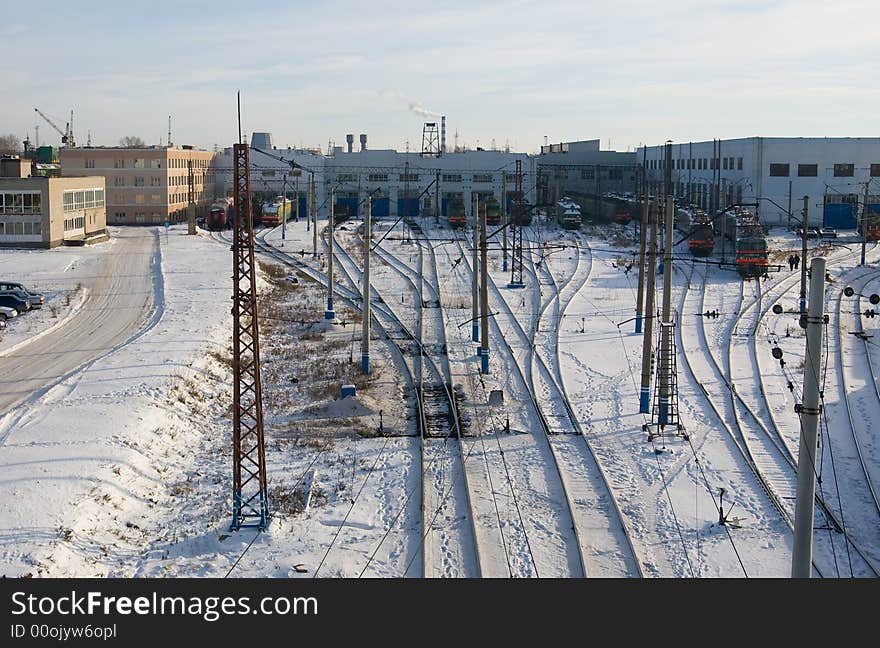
(16, 300)
(828, 232)
(812, 232)
(36, 299)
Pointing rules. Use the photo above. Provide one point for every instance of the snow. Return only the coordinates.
(135, 443)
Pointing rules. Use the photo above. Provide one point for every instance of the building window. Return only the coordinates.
(139, 163)
(779, 170)
(346, 177)
(377, 177)
(482, 177)
(844, 170)
(451, 177)
(155, 164)
(725, 164)
(875, 170)
(270, 173)
(404, 177)
(139, 181)
(90, 164)
(119, 216)
(38, 228)
(118, 181)
(739, 164)
(615, 174)
(808, 170)
(118, 164)
(139, 217)
(588, 174)
(139, 199)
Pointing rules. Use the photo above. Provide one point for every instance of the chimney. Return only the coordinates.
(350, 141)
(442, 134)
(363, 141)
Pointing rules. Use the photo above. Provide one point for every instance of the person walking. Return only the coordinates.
(797, 261)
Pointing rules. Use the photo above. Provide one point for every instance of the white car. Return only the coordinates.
(7, 313)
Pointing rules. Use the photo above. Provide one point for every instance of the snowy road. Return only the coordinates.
(119, 298)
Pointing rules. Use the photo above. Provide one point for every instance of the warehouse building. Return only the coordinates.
(45, 212)
(582, 169)
(839, 176)
(146, 186)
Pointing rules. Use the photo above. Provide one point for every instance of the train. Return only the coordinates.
(701, 235)
(623, 216)
(493, 212)
(341, 212)
(743, 228)
(221, 215)
(568, 214)
(872, 227)
(456, 215)
(274, 212)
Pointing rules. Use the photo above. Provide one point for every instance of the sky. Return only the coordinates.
(626, 72)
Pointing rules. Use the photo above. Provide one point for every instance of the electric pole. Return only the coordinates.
(804, 218)
(802, 556)
(365, 325)
(666, 322)
(640, 297)
(330, 314)
(484, 294)
(645, 394)
(475, 286)
(313, 211)
(283, 210)
(865, 222)
(504, 217)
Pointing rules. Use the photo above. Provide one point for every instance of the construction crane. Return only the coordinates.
(67, 134)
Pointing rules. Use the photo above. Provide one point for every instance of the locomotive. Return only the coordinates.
(276, 211)
(493, 212)
(568, 214)
(752, 253)
(220, 215)
(701, 241)
(455, 212)
(341, 212)
(872, 227)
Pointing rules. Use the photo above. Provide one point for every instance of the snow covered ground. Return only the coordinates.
(135, 444)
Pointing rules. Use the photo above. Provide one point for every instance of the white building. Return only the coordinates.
(776, 173)
(397, 181)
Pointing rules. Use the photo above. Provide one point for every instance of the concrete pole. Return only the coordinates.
(296, 200)
(865, 222)
(645, 393)
(313, 213)
(640, 297)
(504, 218)
(666, 329)
(804, 220)
(437, 199)
(330, 314)
(484, 294)
(802, 556)
(284, 210)
(475, 285)
(365, 325)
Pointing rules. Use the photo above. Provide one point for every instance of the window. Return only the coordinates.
(377, 177)
(38, 228)
(270, 173)
(739, 164)
(588, 174)
(404, 177)
(118, 181)
(90, 199)
(844, 170)
(119, 164)
(155, 164)
(725, 164)
(90, 164)
(875, 170)
(119, 216)
(28, 228)
(139, 181)
(139, 217)
(79, 199)
(453, 177)
(615, 174)
(346, 177)
(139, 199)
(482, 177)
(139, 163)
(27, 203)
(156, 198)
(68, 201)
(808, 170)
(17, 228)
(779, 170)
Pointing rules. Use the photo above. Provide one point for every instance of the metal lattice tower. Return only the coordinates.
(250, 497)
(665, 421)
(430, 140)
(516, 267)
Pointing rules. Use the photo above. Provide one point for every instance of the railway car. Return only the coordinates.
(522, 214)
(752, 252)
(872, 228)
(341, 212)
(493, 212)
(220, 215)
(568, 214)
(701, 240)
(622, 217)
(456, 215)
(276, 211)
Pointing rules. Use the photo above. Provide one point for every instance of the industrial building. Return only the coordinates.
(45, 212)
(399, 182)
(146, 186)
(837, 175)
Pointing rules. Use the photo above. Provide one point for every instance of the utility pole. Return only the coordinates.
(666, 328)
(516, 260)
(789, 205)
(804, 218)
(283, 209)
(645, 394)
(504, 219)
(484, 294)
(640, 297)
(437, 199)
(365, 324)
(865, 222)
(802, 556)
(296, 200)
(475, 285)
(190, 208)
(330, 314)
(313, 210)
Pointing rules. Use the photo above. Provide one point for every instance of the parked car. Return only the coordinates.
(15, 299)
(828, 232)
(36, 299)
(812, 232)
(7, 313)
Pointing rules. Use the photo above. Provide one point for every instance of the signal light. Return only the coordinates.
(777, 309)
(777, 353)
(870, 313)
(711, 314)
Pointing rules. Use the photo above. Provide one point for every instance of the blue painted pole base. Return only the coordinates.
(638, 323)
(365, 363)
(475, 332)
(663, 415)
(484, 362)
(516, 284)
(645, 400)
(330, 314)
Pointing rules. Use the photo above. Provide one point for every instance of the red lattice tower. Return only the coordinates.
(516, 268)
(250, 497)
